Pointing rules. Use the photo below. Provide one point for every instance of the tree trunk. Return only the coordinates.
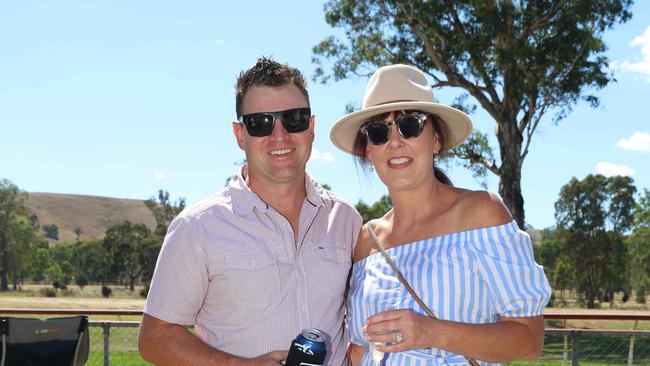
(510, 171)
(4, 264)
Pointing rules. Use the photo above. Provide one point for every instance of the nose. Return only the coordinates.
(394, 137)
(279, 132)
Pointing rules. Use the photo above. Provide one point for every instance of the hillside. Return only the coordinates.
(92, 214)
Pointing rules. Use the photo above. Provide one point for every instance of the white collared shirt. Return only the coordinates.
(230, 266)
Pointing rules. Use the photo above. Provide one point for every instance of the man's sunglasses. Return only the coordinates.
(261, 124)
(409, 126)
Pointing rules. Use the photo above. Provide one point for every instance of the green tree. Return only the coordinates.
(126, 243)
(377, 210)
(21, 235)
(78, 232)
(38, 261)
(164, 210)
(592, 215)
(11, 207)
(95, 261)
(550, 254)
(517, 60)
(51, 231)
(639, 248)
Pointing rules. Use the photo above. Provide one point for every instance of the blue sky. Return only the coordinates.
(123, 98)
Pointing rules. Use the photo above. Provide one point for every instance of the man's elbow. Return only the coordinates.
(147, 344)
(535, 349)
(143, 346)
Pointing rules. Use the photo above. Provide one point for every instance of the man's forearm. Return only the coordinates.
(176, 345)
(164, 344)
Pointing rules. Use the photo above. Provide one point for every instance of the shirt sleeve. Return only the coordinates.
(505, 261)
(180, 280)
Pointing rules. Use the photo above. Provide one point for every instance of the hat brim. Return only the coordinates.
(344, 132)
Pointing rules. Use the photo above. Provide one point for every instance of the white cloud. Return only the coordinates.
(160, 176)
(219, 42)
(610, 169)
(640, 141)
(643, 66)
(318, 155)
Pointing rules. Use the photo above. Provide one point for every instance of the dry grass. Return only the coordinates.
(92, 214)
(90, 297)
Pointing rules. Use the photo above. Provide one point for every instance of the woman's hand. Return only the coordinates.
(400, 330)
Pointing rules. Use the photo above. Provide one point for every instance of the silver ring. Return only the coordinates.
(398, 337)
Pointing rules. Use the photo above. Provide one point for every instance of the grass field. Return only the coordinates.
(595, 350)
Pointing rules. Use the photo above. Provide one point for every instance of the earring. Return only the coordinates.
(372, 169)
(435, 155)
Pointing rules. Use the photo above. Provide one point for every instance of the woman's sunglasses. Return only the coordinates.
(409, 126)
(261, 124)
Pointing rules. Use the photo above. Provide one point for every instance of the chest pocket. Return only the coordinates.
(331, 265)
(253, 278)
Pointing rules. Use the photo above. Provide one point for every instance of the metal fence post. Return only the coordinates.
(107, 334)
(565, 353)
(630, 354)
(575, 338)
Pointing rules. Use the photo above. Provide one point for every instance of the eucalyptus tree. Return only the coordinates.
(518, 60)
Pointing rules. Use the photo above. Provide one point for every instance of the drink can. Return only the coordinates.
(307, 349)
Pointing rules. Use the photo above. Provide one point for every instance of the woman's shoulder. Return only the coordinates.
(365, 244)
(481, 209)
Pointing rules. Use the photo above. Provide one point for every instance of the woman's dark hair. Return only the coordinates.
(439, 128)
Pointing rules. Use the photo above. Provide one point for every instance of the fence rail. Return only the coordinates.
(115, 342)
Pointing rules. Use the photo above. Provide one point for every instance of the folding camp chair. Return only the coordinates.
(44, 342)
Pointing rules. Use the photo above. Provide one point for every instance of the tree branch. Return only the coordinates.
(453, 77)
(530, 130)
(460, 30)
(542, 21)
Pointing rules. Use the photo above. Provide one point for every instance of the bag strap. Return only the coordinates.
(408, 287)
(399, 274)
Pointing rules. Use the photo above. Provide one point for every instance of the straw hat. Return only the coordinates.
(399, 87)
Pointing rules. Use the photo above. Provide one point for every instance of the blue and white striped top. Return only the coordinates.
(471, 276)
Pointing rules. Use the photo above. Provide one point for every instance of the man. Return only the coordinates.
(264, 258)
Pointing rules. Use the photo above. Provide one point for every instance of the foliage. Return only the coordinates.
(38, 261)
(592, 215)
(642, 211)
(11, 211)
(639, 252)
(81, 280)
(164, 210)
(51, 231)
(550, 254)
(48, 292)
(377, 210)
(517, 60)
(128, 249)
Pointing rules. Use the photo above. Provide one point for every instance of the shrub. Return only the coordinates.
(82, 280)
(106, 291)
(48, 292)
(68, 292)
(59, 285)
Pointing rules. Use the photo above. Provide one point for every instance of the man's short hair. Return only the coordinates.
(267, 72)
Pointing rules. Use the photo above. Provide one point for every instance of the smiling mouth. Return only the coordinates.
(280, 152)
(399, 161)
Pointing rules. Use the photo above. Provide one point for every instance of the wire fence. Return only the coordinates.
(116, 343)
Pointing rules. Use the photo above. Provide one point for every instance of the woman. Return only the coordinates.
(460, 250)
